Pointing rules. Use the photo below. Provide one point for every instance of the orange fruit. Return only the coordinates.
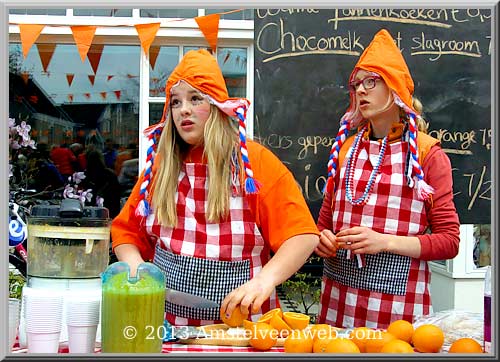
(323, 331)
(235, 319)
(360, 335)
(465, 345)
(263, 336)
(341, 345)
(320, 345)
(248, 324)
(397, 346)
(266, 317)
(401, 329)
(378, 340)
(278, 323)
(296, 320)
(428, 338)
(299, 342)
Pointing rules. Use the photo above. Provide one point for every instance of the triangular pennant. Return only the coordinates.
(69, 78)
(46, 51)
(92, 79)
(87, 95)
(103, 95)
(209, 26)
(147, 33)
(83, 35)
(25, 76)
(29, 34)
(94, 56)
(70, 97)
(118, 94)
(109, 77)
(153, 54)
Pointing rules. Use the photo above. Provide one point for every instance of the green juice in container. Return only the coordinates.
(133, 309)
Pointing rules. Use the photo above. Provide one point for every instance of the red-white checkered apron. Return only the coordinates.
(204, 258)
(389, 286)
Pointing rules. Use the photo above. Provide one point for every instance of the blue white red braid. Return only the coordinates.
(143, 208)
(415, 169)
(333, 159)
(251, 185)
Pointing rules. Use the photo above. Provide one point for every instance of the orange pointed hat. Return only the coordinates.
(200, 70)
(384, 58)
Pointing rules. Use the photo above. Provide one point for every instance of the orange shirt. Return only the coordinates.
(279, 208)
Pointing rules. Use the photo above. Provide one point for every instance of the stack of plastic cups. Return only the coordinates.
(14, 313)
(82, 319)
(43, 314)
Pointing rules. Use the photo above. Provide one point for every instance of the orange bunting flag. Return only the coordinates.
(153, 55)
(25, 76)
(46, 51)
(70, 97)
(103, 95)
(87, 95)
(118, 94)
(29, 34)
(92, 79)
(147, 33)
(83, 35)
(94, 56)
(109, 77)
(69, 78)
(209, 26)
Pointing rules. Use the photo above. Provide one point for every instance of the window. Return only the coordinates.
(169, 13)
(246, 14)
(37, 11)
(102, 12)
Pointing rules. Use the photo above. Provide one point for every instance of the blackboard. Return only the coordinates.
(303, 58)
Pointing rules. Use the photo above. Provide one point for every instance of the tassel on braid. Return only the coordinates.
(334, 155)
(251, 185)
(424, 190)
(143, 208)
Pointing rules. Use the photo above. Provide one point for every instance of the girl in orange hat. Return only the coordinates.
(198, 210)
(387, 186)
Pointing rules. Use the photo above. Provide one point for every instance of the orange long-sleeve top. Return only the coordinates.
(279, 208)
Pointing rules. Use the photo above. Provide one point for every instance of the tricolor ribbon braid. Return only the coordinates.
(143, 208)
(334, 155)
(423, 189)
(251, 185)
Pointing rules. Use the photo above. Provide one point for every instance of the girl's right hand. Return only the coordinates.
(327, 246)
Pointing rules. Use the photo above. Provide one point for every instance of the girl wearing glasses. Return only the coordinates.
(388, 185)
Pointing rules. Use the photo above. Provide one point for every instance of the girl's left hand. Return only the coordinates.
(362, 240)
(251, 294)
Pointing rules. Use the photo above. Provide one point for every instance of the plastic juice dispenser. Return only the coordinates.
(132, 309)
(68, 249)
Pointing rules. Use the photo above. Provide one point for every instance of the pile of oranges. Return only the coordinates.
(301, 337)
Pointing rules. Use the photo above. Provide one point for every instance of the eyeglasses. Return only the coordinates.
(368, 83)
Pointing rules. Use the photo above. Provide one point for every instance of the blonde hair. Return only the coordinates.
(220, 145)
(422, 124)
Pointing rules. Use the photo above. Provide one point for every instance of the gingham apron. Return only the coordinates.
(389, 286)
(203, 258)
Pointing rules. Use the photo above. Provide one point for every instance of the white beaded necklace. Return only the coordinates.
(351, 161)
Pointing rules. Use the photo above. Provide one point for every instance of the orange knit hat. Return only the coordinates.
(200, 70)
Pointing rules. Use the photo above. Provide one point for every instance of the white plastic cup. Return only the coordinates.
(14, 315)
(81, 339)
(43, 342)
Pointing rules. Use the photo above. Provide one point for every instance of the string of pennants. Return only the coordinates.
(83, 36)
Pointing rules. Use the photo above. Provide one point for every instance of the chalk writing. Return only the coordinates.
(475, 187)
(441, 47)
